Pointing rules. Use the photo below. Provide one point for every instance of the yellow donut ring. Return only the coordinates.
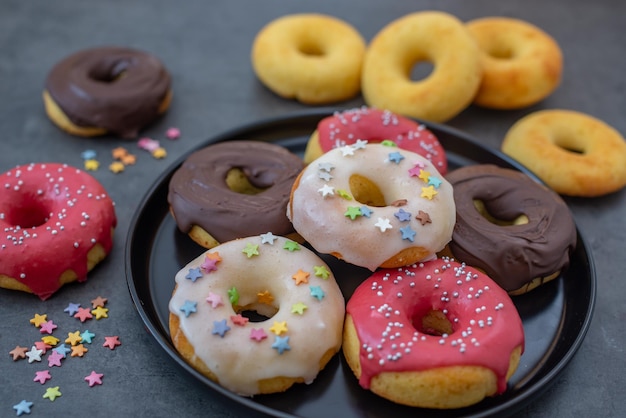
(313, 58)
(573, 153)
(432, 36)
(522, 64)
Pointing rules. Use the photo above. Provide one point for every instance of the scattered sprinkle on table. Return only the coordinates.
(94, 378)
(23, 407)
(52, 393)
(111, 342)
(18, 352)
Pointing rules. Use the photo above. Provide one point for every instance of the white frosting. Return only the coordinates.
(320, 204)
(312, 310)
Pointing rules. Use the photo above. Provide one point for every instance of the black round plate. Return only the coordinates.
(556, 316)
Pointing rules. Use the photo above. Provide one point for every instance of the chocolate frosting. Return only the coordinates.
(198, 193)
(512, 255)
(117, 89)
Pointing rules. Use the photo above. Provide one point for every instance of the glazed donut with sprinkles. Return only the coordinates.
(438, 334)
(56, 224)
(257, 314)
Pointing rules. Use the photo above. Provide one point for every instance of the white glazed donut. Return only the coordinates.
(282, 281)
(373, 205)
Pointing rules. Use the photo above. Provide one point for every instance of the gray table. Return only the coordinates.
(206, 47)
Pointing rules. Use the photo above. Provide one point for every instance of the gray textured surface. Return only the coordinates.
(206, 47)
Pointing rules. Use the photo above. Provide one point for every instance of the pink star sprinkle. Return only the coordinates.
(257, 334)
(239, 320)
(111, 342)
(83, 314)
(214, 299)
(41, 345)
(42, 376)
(94, 378)
(47, 327)
(54, 359)
(416, 170)
(148, 144)
(210, 264)
(172, 133)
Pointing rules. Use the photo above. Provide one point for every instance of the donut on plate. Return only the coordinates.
(313, 58)
(298, 323)
(430, 36)
(373, 205)
(231, 189)
(107, 90)
(519, 232)
(437, 334)
(521, 63)
(57, 223)
(374, 125)
(573, 153)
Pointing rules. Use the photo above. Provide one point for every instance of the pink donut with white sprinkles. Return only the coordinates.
(56, 224)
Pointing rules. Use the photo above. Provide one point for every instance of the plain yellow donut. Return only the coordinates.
(432, 36)
(573, 153)
(313, 58)
(522, 64)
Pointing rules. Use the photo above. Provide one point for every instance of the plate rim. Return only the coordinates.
(510, 406)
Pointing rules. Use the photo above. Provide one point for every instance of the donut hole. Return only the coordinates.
(365, 191)
(238, 182)
(432, 322)
(500, 51)
(421, 70)
(27, 213)
(310, 48)
(569, 144)
(109, 72)
(482, 209)
(260, 310)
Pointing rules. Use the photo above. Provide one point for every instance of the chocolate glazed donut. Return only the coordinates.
(200, 194)
(516, 230)
(119, 90)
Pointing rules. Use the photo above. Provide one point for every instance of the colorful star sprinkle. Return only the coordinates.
(116, 167)
(251, 250)
(194, 274)
(111, 342)
(18, 352)
(86, 337)
(326, 190)
(100, 312)
(91, 165)
(50, 340)
(47, 327)
(366, 211)
(220, 328)
(172, 133)
(23, 407)
(52, 393)
(159, 153)
(73, 338)
(279, 328)
(396, 157)
(291, 246)
(63, 350)
(407, 233)
(233, 295)
(298, 308)
(54, 359)
(214, 299)
(383, 224)
(79, 350)
(37, 320)
(423, 217)
(239, 320)
(94, 378)
(301, 277)
(189, 307)
(268, 238)
(402, 215)
(428, 192)
(83, 314)
(352, 212)
(265, 297)
(99, 301)
(321, 271)
(34, 354)
(258, 334)
(42, 376)
(281, 344)
(317, 292)
(210, 262)
(72, 308)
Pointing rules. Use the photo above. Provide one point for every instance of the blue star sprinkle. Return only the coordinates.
(23, 407)
(220, 328)
(189, 307)
(62, 349)
(395, 157)
(402, 215)
(281, 344)
(434, 181)
(317, 292)
(72, 308)
(365, 211)
(87, 337)
(194, 274)
(407, 233)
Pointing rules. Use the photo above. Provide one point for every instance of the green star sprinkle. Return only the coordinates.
(233, 295)
(353, 212)
(251, 250)
(298, 308)
(291, 246)
(52, 393)
(388, 143)
(321, 271)
(344, 194)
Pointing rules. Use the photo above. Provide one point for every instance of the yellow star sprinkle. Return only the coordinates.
(159, 153)
(279, 327)
(128, 159)
(428, 192)
(424, 175)
(100, 312)
(298, 308)
(73, 338)
(116, 167)
(91, 165)
(50, 340)
(265, 297)
(37, 320)
(301, 277)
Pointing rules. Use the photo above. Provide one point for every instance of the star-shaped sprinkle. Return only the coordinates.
(23, 407)
(87, 336)
(326, 190)
(63, 350)
(72, 308)
(52, 393)
(128, 159)
(415, 170)
(347, 151)
(91, 165)
(18, 352)
(279, 328)
(301, 277)
(41, 345)
(88, 154)
(54, 359)
(291, 246)
(220, 328)
(281, 344)
(233, 295)
(402, 215)
(317, 292)
(172, 133)
(239, 319)
(116, 167)
(352, 212)
(257, 334)
(388, 143)
(383, 224)
(100, 312)
(42, 376)
(50, 340)
(265, 297)
(328, 167)
(407, 233)
(214, 299)
(34, 354)
(324, 175)
(73, 338)
(194, 274)
(344, 194)
(423, 217)
(159, 153)
(148, 144)
(423, 175)
(119, 152)
(99, 301)
(428, 192)
(210, 262)
(434, 181)
(396, 157)
(365, 211)
(37, 320)
(47, 327)
(79, 350)
(189, 307)
(398, 203)
(111, 342)
(298, 308)
(268, 238)
(359, 144)
(83, 314)
(251, 250)
(94, 378)
(321, 271)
